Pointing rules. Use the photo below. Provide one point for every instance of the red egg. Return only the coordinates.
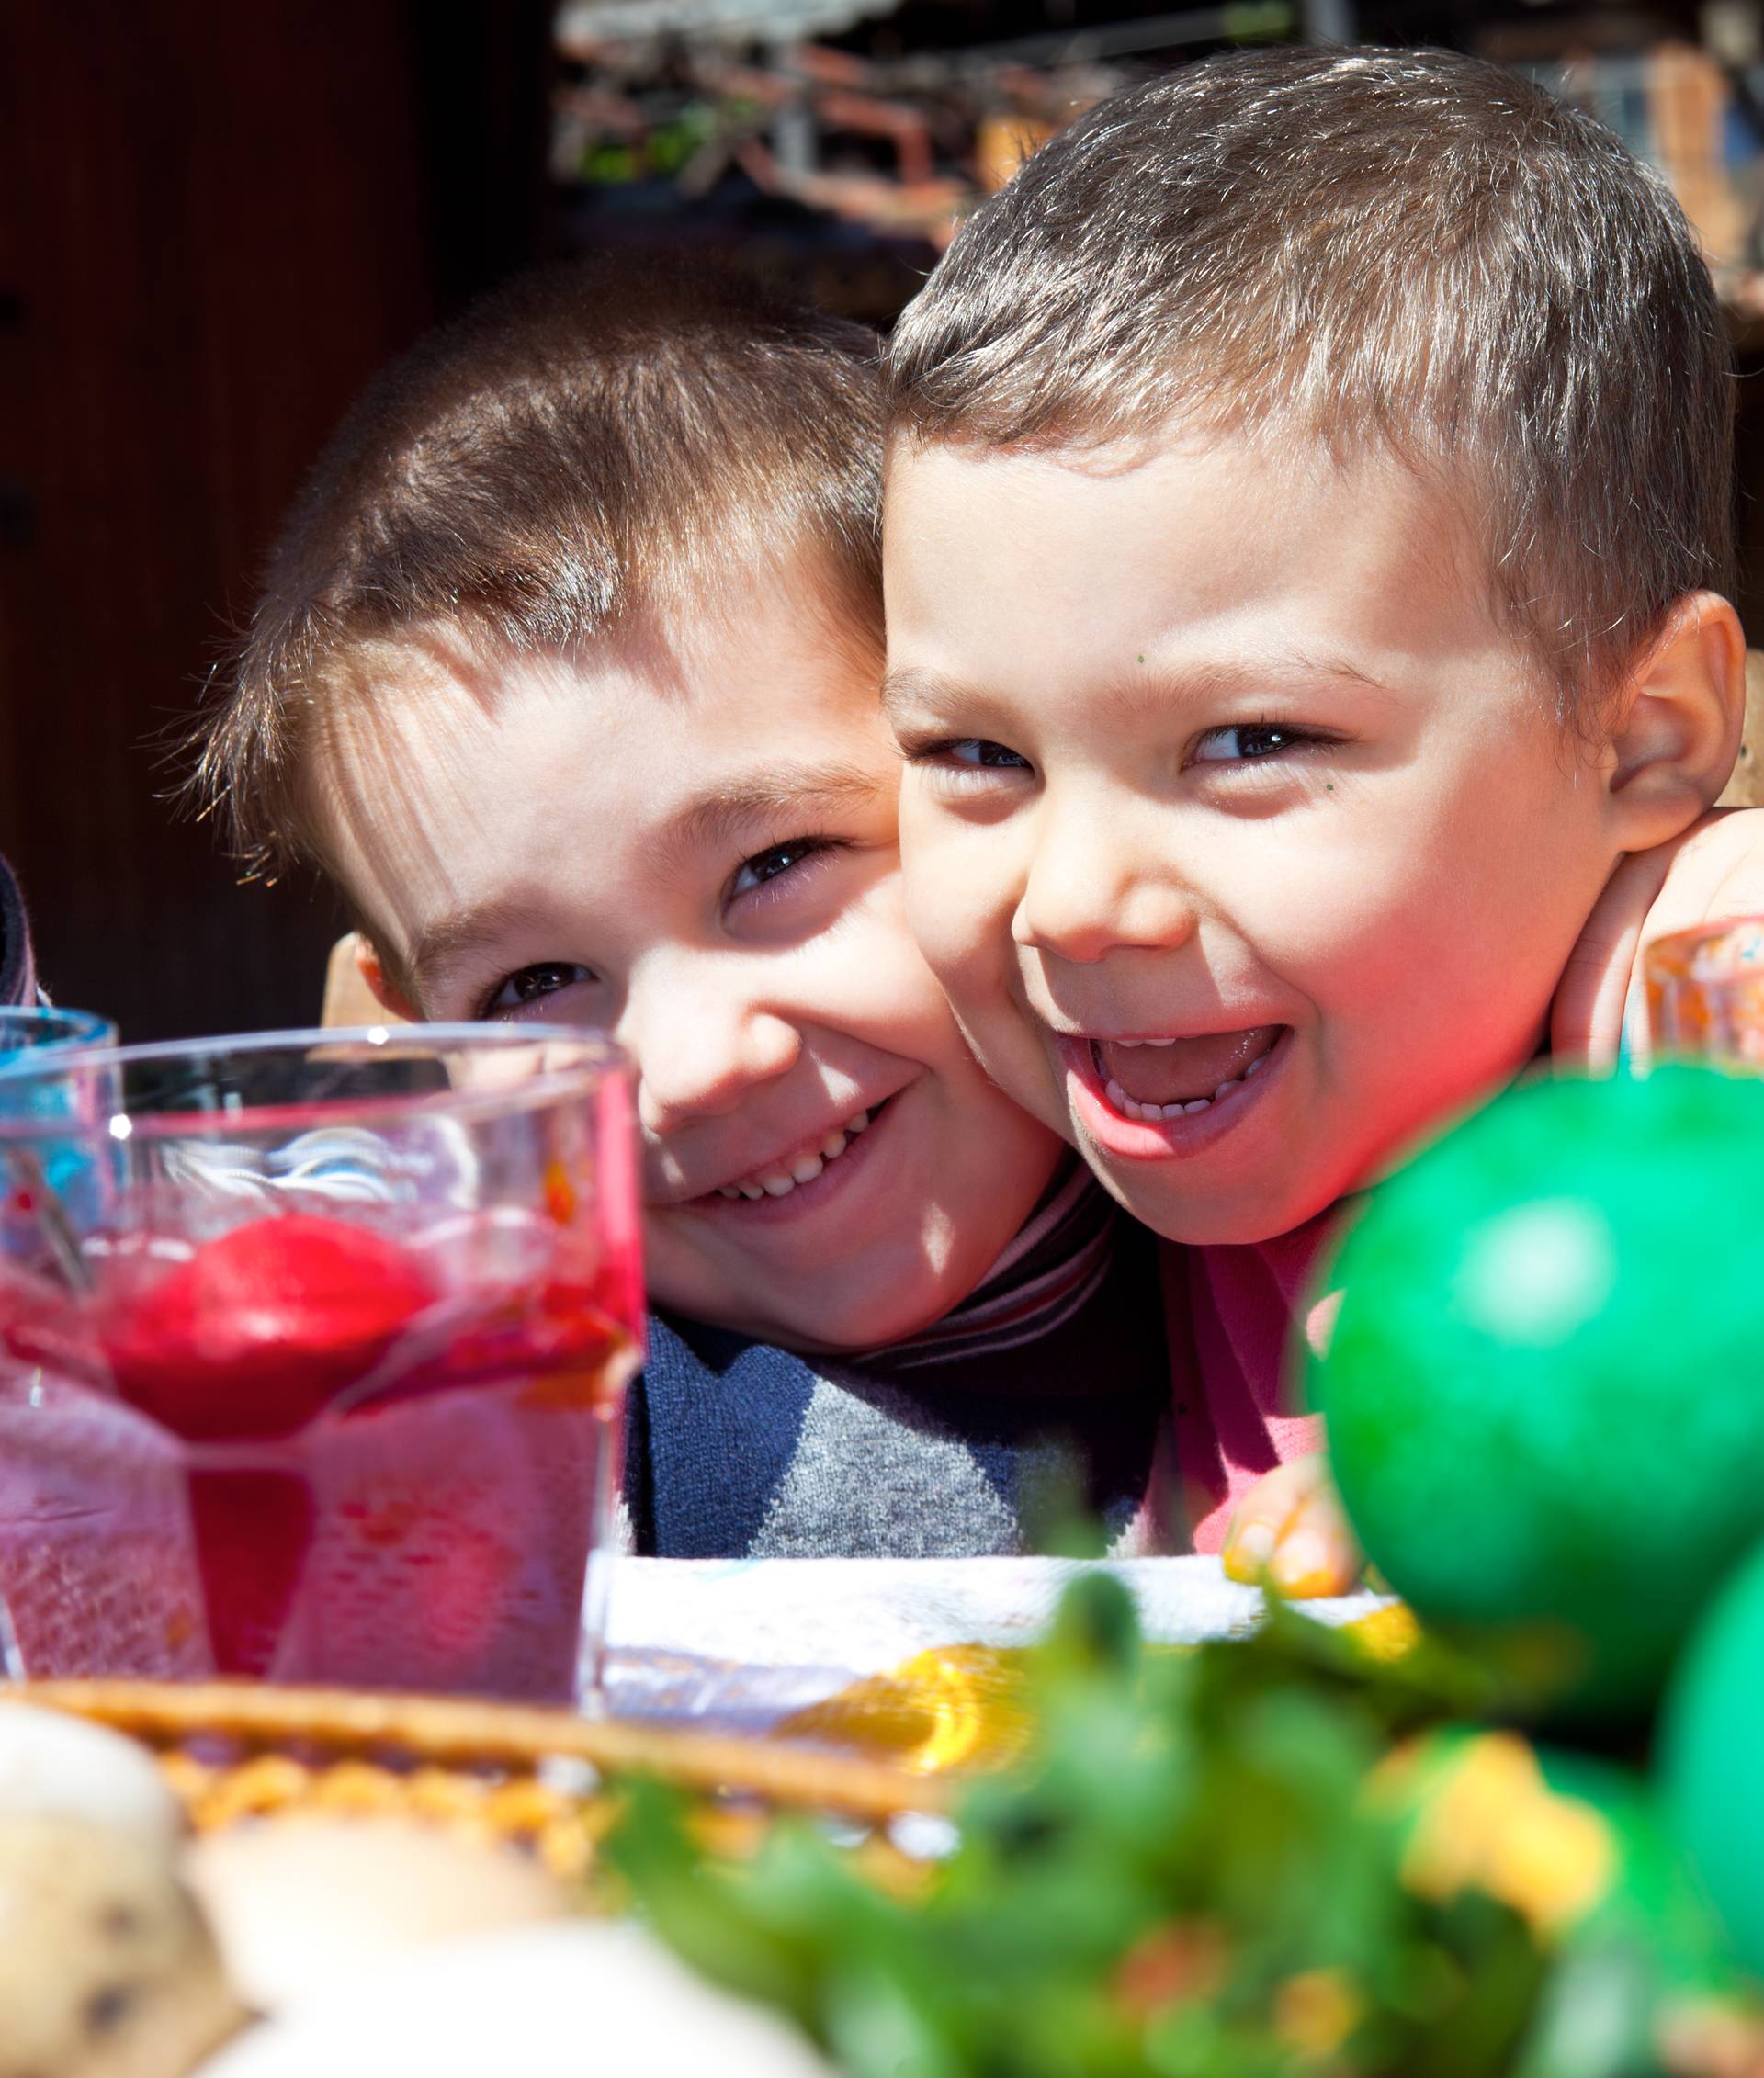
(262, 1328)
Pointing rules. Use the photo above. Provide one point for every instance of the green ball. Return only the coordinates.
(1544, 1390)
(1711, 1757)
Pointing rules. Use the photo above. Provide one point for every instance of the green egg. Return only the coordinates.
(1712, 1757)
(1546, 1386)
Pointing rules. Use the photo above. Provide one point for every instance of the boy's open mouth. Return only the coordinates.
(1161, 1078)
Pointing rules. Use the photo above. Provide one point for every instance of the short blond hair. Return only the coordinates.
(597, 447)
(1408, 246)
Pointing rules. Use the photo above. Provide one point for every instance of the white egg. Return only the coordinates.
(565, 2001)
(107, 1967)
(63, 1767)
(312, 1903)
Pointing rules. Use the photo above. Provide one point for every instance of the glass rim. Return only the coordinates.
(597, 1057)
(84, 1029)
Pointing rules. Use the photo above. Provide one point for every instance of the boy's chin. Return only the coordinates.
(1211, 1220)
(845, 1331)
(834, 1324)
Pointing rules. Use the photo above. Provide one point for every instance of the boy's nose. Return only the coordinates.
(1092, 890)
(699, 1056)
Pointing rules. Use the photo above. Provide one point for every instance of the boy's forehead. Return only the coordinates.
(1266, 465)
(465, 779)
(1179, 542)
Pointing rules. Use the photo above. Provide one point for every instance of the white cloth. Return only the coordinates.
(745, 1641)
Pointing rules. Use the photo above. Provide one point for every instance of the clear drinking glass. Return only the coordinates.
(24, 1032)
(1705, 993)
(23, 1028)
(314, 1350)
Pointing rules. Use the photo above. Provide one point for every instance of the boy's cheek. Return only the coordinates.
(994, 1029)
(873, 980)
(968, 946)
(978, 985)
(1012, 1050)
(960, 922)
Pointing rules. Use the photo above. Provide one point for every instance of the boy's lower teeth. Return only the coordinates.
(779, 1183)
(1160, 1079)
(1132, 1108)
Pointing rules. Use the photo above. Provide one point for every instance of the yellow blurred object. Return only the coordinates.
(561, 1829)
(1745, 787)
(1317, 2011)
(1485, 1819)
(1002, 143)
(255, 1789)
(1386, 1635)
(1705, 993)
(1688, 101)
(957, 1706)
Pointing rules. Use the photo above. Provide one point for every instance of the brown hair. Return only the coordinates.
(590, 451)
(1408, 246)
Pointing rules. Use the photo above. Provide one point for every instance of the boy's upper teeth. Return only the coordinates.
(783, 1178)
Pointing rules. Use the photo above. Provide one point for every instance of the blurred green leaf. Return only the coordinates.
(1184, 1877)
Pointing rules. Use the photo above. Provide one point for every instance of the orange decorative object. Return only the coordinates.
(1705, 993)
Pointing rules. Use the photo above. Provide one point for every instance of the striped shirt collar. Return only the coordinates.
(1054, 1265)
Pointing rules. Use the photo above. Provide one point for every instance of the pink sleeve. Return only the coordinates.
(1292, 1436)
(1230, 1314)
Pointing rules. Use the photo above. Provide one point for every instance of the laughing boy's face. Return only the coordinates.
(695, 845)
(1245, 842)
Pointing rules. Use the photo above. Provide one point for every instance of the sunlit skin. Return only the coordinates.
(1223, 744)
(1219, 742)
(693, 843)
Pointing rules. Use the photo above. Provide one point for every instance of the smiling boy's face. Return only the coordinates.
(1245, 842)
(696, 847)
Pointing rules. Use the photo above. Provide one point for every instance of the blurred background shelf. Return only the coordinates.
(219, 220)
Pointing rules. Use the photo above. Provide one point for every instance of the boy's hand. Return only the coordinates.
(1713, 872)
(1289, 1533)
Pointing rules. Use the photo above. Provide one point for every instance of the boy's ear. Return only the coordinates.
(1676, 733)
(379, 984)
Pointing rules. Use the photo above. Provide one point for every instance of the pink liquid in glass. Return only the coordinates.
(313, 1450)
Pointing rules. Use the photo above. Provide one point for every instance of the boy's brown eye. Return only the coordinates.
(544, 977)
(769, 864)
(1243, 742)
(776, 860)
(979, 752)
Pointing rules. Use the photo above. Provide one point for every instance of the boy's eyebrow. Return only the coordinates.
(457, 932)
(911, 685)
(724, 812)
(902, 688)
(1288, 671)
(719, 815)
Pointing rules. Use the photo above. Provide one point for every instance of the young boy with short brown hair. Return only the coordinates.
(566, 674)
(1309, 518)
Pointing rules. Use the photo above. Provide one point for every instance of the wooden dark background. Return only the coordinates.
(216, 221)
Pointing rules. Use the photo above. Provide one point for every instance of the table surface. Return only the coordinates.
(746, 1642)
